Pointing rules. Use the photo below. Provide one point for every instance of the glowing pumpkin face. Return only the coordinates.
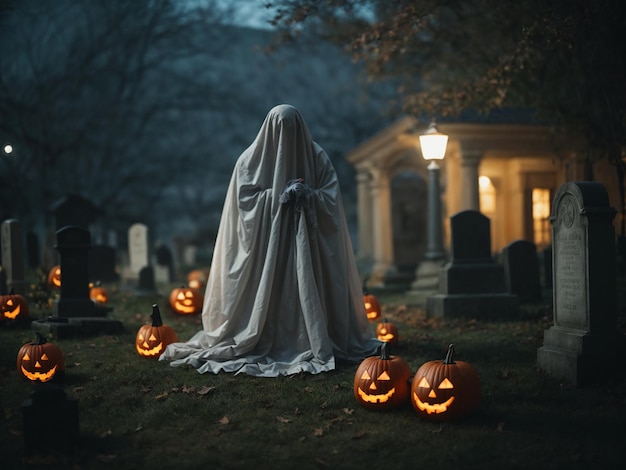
(54, 277)
(382, 383)
(13, 306)
(445, 390)
(98, 294)
(197, 279)
(152, 339)
(372, 307)
(387, 332)
(185, 300)
(40, 361)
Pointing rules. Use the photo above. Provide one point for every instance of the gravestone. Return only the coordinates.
(547, 267)
(138, 249)
(50, 420)
(13, 256)
(521, 270)
(472, 283)
(102, 264)
(164, 266)
(74, 210)
(584, 342)
(74, 312)
(146, 284)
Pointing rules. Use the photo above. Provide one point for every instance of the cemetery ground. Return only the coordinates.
(140, 413)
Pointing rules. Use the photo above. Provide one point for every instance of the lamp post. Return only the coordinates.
(433, 144)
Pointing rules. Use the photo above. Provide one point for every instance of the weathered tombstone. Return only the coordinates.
(74, 312)
(50, 420)
(102, 264)
(138, 249)
(164, 266)
(585, 333)
(521, 270)
(33, 256)
(74, 210)
(146, 285)
(13, 261)
(472, 283)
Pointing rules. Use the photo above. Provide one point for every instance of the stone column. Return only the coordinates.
(381, 224)
(469, 180)
(365, 250)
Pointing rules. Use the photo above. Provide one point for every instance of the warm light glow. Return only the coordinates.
(433, 143)
(487, 195)
(541, 216)
(8, 149)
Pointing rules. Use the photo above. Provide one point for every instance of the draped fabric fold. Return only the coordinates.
(283, 294)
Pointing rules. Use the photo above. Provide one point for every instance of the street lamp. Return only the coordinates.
(433, 144)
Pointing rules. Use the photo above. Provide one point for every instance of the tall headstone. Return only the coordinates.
(13, 256)
(472, 283)
(579, 346)
(74, 210)
(521, 270)
(75, 314)
(138, 249)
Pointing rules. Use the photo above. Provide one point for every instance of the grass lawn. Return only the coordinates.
(141, 413)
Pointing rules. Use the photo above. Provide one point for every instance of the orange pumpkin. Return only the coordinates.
(40, 361)
(382, 383)
(54, 277)
(13, 307)
(197, 279)
(98, 294)
(445, 390)
(372, 306)
(152, 339)
(185, 300)
(387, 332)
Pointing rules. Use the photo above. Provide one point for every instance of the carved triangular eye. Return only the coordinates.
(26, 357)
(44, 357)
(423, 383)
(445, 383)
(384, 376)
(140, 336)
(10, 302)
(365, 376)
(152, 338)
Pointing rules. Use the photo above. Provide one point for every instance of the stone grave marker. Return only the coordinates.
(74, 312)
(138, 249)
(146, 284)
(521, 270)
(164, 266)
(13, 255)
(584, 342)
(472, 283)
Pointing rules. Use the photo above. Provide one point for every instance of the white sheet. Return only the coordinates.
(283, 295)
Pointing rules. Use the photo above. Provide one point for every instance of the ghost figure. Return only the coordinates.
(283, 294)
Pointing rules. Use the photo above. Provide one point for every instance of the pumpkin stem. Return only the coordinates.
(384, 351)
(156, 316)
(41, 339)
(448, 359)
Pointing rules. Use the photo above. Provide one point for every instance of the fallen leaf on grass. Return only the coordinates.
(205, 390)
(280, 419)
(318, 432)
(348, 411)
(163, 396)
(138, 428)
(224, 420)
(188, 389)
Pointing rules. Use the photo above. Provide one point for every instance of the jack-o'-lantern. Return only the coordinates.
(387, 332)
(185, 300)
(152, 339)
(54, 277)
(372, 306)
(197, 279)
(98, 294)
(40, 361)
(382, 383)
(13, 307)
(445, 390)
